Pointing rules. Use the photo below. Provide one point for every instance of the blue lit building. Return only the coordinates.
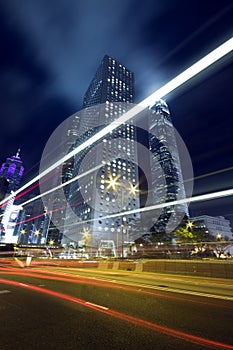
(12, 170)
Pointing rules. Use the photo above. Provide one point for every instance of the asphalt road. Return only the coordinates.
(93, 309)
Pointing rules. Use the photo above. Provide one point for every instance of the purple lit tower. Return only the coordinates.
(12, 170)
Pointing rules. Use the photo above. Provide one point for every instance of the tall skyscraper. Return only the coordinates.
(108, 173)
(112, 82)
(56, 206)
(170, 186)
(109, 188)
(12, 170)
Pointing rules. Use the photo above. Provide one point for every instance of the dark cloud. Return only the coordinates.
(70, 38)
(206, 122)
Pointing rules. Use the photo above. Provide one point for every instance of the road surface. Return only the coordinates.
(71, 308)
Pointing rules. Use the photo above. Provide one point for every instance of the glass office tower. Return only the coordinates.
(164, 150)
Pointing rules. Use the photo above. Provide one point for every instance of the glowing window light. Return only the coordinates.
(189, 73)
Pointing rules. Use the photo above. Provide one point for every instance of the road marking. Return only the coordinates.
(207, 343)
(99, 306)
(148, 286)
(189, 292)
(168, 289)
(5, 291)
(173, 290)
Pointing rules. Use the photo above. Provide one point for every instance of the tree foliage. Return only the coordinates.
(191, 234)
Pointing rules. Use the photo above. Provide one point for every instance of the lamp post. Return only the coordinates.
(86, 233)
(131, 189)
(37, 233)
(189, 225)
(219, 246)
(22, 235)
(51, 242)
(218, 236)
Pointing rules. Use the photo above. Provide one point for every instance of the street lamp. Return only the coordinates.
(22, 233)
(37, 233)
(218, 236)
(189, 225)
(131, 189)
(86, 235)
(86, 238)
(112, 182)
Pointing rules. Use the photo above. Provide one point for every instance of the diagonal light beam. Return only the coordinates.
(173, 84)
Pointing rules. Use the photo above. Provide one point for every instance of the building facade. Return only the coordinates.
(112, 82)
(217, 226)
(108, 188)
(11, 173)
(32, 223)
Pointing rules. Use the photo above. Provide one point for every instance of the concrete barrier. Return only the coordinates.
(215, 268)
(207, 268)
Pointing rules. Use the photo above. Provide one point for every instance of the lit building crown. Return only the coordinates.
(12, 169)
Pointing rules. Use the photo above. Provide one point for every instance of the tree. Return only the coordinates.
(184, 235)
(191, 232)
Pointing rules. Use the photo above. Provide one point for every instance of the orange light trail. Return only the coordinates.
(79, 279)
(124, 317)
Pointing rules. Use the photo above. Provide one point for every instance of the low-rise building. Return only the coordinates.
(217, 226)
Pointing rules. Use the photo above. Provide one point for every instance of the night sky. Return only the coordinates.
(50, 51)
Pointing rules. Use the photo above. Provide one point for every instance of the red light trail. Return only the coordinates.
(47, 213)
(79, 279)
(36, 184)
(124, 317)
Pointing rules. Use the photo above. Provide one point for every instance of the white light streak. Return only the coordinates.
(62, 185)
(189, 73)
(200, 198)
